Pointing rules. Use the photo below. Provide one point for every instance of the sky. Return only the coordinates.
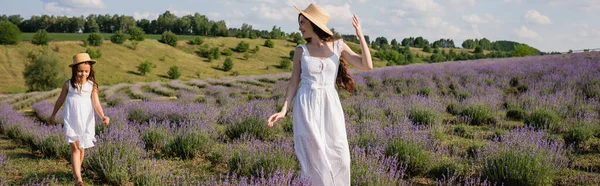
(548, 25)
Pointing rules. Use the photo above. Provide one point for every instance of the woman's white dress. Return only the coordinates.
(79, 122)
(320, 138)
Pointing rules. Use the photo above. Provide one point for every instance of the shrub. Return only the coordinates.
(252, 126)
(228, 64)
(591, 89)
(118, 38)
(285, 64)
(174, 72)
(44, 72)
(423, 116)
(479, 114)
(411, 154)
(144, 67)
(41, 37)
(136, 34)
(453, 108)
(246, 55)
(215, 53)
(269, 43)
(515, 114)
(242, 46)
(169, 38)
(579, 133)
(463, 131)
(95, 39)
(197, 41)
(542, 118)
(517, 168)
(189, 145)
(446, 169)
(227, 52)
(94, 54)
(9, 33)
(425, 91)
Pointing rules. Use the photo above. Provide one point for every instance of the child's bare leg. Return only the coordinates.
(81, 155)
(76, 160)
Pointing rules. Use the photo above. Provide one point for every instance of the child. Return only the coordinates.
(81, 96)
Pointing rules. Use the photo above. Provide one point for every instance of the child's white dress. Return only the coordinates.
(320, 138)
(79, 122)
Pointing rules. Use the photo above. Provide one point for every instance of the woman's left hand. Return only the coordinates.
(356, 25)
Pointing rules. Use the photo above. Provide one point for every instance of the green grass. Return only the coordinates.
(82, 36)
(118, 63)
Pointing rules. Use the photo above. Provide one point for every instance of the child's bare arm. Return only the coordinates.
(59, 102)
(98, 107)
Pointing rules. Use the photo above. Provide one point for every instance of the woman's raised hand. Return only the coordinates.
(356, 24)
(275, 117)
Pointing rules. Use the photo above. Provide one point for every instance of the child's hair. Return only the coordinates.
(344, 79)
(90, 77)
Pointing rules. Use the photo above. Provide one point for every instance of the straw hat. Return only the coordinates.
(81, 58)
(317, 15)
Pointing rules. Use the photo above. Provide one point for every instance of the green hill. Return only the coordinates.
(119, 62)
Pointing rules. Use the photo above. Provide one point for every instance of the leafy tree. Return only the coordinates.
(220, 29)
(227, 52)
(169, 38)
(144, 67)
(118, 38)
(174, 72)
(478, 50)
(197, 41)
(9, 33)
(215, 53)
(94, 54)
(43, 73)
(285, 64)
(427, 49)
(227, 65)
(136, 34)
(95, 39)
(269, 43)
(41, 37)
(525, 50)
(242, 46)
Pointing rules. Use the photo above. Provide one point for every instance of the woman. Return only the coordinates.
(320, 138)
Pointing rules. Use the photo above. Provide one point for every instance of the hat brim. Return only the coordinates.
(311, 19)
(88, 61)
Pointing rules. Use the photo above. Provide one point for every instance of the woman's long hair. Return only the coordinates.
(90, 77)
(343, 79)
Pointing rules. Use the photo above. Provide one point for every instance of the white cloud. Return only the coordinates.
(74, 3)
(585, 5)
(339, 13)
(275, 13)
(399, 12)
(54, 8)
(513, 1)
(473, 19)
(421, 5)
(179, 12)
(526, 33)
(533, 16)
(213, 15)
(145, 15)
(592, 33)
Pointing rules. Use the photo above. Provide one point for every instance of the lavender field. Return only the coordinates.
(514, 121)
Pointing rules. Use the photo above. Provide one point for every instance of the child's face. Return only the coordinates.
(83, 71)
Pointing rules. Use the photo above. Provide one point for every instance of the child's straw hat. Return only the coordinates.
(82, 58)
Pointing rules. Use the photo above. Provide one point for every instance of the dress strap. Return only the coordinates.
(338, 46)
(304, 49)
